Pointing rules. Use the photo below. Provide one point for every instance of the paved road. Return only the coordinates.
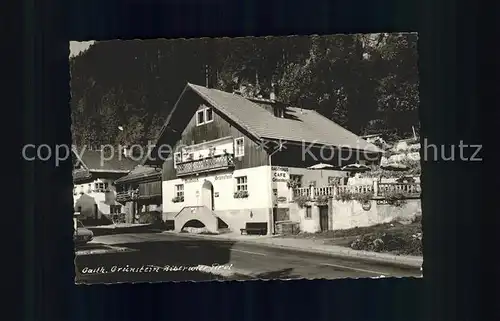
(101, 260)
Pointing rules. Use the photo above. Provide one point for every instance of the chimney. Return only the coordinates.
(272, 95)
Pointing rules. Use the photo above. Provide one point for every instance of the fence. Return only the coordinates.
(377, 189)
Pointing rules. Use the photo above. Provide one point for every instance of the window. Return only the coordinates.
(200, 117)
(98, 186)
(204, 116)
(241, 183)
(308, 212)
(115, 209)
(239, 147)
(177, 159)
(179, 190)
(297, 180)
(209, 115)
(333, 181)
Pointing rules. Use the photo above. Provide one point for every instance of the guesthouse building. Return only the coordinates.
(229, 160)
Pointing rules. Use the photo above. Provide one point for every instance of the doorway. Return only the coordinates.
(323, 218)
(207, 195)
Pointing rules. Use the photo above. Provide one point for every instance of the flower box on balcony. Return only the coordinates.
(178, 199)
(302, 200)
(204, 164)
(322, 199)
(241, 194)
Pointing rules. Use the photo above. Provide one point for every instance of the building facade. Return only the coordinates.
(140, 192)
(234, 160)
(94, 193)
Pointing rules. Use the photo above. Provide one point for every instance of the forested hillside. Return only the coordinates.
(367, 83)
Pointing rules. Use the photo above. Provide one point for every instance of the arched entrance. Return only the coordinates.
(207, 195)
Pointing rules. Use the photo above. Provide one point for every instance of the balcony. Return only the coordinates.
(205, 165)
(125, 196)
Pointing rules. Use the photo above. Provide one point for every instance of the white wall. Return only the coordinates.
(318, 175)
(99, 197)
(224, 183)
(346, 215)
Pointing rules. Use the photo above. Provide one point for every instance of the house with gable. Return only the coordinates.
(94, 193)
(139, 191)
(228, 159)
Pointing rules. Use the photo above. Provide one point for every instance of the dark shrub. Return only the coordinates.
(153, 218)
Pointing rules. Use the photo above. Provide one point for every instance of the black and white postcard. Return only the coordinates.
(246, 158)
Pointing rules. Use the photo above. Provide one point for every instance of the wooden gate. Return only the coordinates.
(323, 218)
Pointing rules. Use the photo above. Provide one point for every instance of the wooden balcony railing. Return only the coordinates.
(407, 189)
(125, 196)
(377, 189)
(205, 165)
(303, 191)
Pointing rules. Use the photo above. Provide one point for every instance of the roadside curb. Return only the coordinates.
(110, 250)
(112, 230)
(347, 253)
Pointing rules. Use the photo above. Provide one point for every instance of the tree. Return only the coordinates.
(363, 82)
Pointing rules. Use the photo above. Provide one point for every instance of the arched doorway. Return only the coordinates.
(207, 195)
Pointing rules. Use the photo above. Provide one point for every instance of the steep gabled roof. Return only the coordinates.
(97, 161)
(140, 172)
(300, 125)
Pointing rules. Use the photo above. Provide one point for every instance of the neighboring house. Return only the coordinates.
(139, 191)
(94, 194)
(227, 168)
(378, 140)
(404, 149)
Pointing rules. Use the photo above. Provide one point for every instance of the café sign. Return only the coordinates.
(280, 174)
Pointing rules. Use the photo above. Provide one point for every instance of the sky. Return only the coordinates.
(77, 47)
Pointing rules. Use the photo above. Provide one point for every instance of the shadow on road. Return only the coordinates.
(91, 246)
(165, 256)
(101, 231)
(279, 274)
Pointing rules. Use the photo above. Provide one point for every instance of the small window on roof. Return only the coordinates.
(209, 115)
(200, 117)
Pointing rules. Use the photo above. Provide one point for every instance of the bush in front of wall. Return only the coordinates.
(363, 197)
(178, 199)
(397, 199)
(322, 199)
(241, 194)
(153, 218)
(301, 200)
